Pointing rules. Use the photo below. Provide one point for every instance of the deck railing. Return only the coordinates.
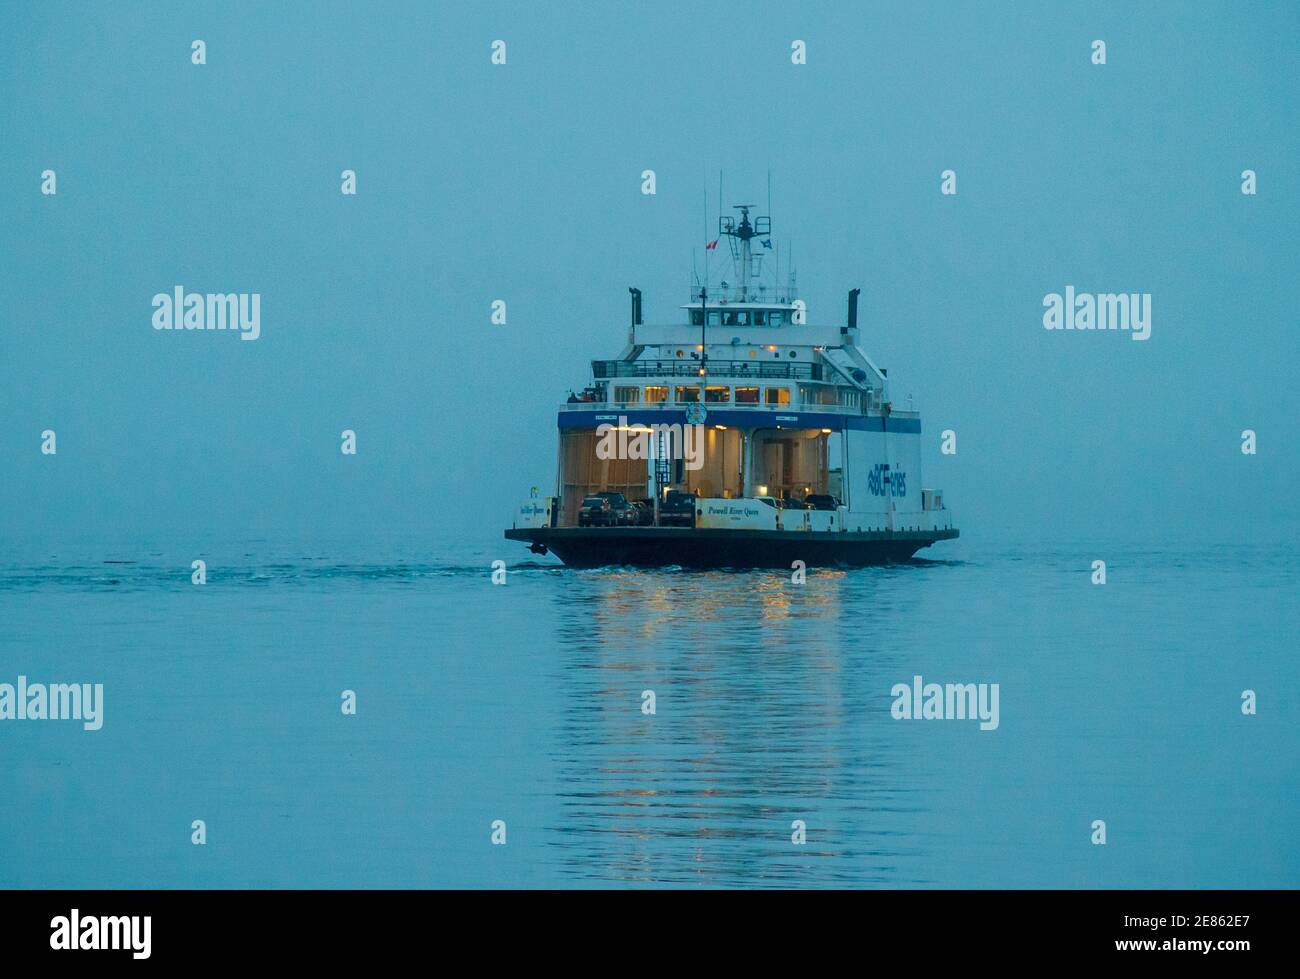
(741, 369)
(719, 405)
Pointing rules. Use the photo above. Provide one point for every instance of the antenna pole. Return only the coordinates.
(745, 261)
(704, 354)
(706, 230)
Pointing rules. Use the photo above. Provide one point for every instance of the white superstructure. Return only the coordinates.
(787, 412)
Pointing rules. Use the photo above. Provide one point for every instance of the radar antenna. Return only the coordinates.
(739, 235)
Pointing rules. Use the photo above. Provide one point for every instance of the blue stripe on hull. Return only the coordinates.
(744, 419)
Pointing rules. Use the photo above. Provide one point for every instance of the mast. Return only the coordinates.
(742, 235)
(704, 353)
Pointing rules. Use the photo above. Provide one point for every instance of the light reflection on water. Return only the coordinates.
(523, 702)
(761, 720)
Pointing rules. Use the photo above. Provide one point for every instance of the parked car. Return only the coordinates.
(625, 515)
(793, 503)
(595, 512)
(645, 512)
(677, 509)
(822, 501)
(606, 510)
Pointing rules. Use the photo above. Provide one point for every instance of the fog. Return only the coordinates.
(478, 182)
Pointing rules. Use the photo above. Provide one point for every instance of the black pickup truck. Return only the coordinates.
(677, 509)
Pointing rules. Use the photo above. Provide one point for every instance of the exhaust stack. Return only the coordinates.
(851, 330)
(636, 305)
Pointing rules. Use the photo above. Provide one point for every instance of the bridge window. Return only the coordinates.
(760, 317)
(776, 317)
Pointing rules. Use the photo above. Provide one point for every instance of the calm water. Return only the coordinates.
(522, 702)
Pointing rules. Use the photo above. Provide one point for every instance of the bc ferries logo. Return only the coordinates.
(658, 441)
(881, 479)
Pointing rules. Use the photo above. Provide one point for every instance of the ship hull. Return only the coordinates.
(594, 547)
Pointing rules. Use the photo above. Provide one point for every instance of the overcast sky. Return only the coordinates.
(522, 182)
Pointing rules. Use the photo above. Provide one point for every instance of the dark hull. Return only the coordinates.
(594, 547)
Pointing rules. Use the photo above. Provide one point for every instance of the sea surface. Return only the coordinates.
(523, 702)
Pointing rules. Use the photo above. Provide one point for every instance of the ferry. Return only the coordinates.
(740, 437)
